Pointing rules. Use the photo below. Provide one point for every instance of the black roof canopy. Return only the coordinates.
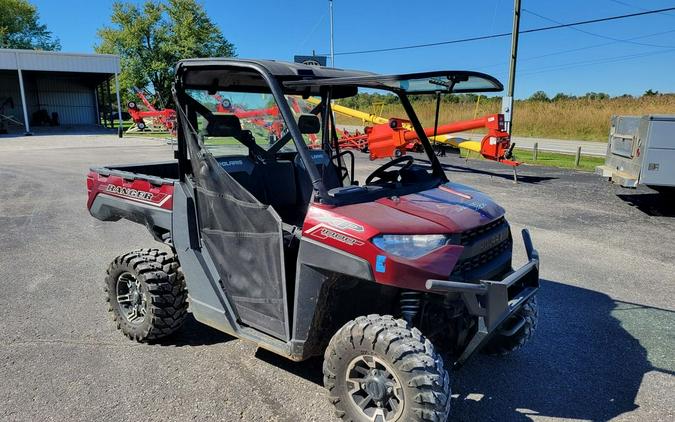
(276, 68)
(227, 74)
(447, 81)
(243, 75)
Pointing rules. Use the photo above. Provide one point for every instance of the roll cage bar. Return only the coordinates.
(325, 86)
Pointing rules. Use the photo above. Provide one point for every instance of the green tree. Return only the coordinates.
(562, 97)
(539, 96)
(151, 38)
(650, 93)
(596, 96)
(20, 27)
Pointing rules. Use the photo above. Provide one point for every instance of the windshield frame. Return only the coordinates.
(182, 99)
(279, 89)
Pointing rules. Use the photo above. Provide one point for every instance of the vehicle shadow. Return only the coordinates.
(503, 172)
(652, 204)
(581, 364)
(194, 333)
(19, 133)
(310, 369)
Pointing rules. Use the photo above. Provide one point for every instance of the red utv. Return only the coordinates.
(279, 244)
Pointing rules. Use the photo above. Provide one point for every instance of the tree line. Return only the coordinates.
(149, 38)
(369, 100)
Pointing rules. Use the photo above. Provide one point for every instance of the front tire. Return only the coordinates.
(146, 294)
(378, 368)
(520, 328)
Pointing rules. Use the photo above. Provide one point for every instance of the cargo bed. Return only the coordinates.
(142, 193)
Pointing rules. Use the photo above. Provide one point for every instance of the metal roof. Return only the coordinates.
(56, 61)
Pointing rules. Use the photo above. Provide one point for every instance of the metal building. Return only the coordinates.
(44, 88)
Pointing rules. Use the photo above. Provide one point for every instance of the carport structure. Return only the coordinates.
(50, 88)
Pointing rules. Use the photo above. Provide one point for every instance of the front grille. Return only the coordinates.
(485, 251)
(468, 236)
(467, 265)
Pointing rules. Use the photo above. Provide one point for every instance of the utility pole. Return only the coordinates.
(332, 51)
(507, 102)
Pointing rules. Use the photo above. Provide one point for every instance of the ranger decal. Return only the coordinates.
(325, 233)
(131, 193)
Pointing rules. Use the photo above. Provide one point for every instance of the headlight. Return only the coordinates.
(409, 245)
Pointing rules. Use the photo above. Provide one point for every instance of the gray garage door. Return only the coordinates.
(72, 100)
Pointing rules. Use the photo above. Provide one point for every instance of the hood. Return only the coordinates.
(455, 207)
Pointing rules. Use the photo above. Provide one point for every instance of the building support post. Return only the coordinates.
(98, 112)
(120, 131)
(23, 98)
(103, 106)
(109, 102)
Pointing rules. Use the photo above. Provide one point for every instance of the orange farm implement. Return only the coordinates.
(152, 119)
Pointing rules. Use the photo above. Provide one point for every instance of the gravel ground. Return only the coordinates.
(605, 347)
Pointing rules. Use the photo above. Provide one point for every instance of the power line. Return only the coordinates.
(594, 62)
(311, 32)
(506, 34)
(627, 4)
(593, 34)
(633, 6)
(571, 50)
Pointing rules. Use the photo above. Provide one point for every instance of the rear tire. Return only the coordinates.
(398, 374)
(528, 316)
(146, 294)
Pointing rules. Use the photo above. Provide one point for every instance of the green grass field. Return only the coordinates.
(579, 119)
(549, 159)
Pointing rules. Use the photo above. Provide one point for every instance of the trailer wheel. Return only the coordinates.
(378, 368)
(141, 125)
(516, 331)
(146, 294)
(131, 104)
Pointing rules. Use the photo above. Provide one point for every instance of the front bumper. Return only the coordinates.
(494, 301)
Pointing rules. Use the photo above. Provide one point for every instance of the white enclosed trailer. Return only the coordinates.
(641, 150)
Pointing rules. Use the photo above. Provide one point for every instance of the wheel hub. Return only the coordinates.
(374, 389)
(130, 298)
(376, 386)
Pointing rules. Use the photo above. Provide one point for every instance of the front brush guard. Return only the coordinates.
(493, 302)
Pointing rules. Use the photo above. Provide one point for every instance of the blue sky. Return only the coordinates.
(563, 60)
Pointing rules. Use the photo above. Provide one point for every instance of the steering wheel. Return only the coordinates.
(390, 176)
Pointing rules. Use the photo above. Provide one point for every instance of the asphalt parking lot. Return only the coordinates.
(605, 347)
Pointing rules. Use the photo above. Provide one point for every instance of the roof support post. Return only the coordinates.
(98, 113)
(119, 107)
(23, 96)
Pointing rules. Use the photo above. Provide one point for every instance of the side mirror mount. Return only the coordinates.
(309, 124)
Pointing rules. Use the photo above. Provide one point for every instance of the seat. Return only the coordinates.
(223, 125)
(243, 170)
(280, 189)
(327, 170)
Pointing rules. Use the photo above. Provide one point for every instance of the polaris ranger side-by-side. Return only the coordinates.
(279, 244)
